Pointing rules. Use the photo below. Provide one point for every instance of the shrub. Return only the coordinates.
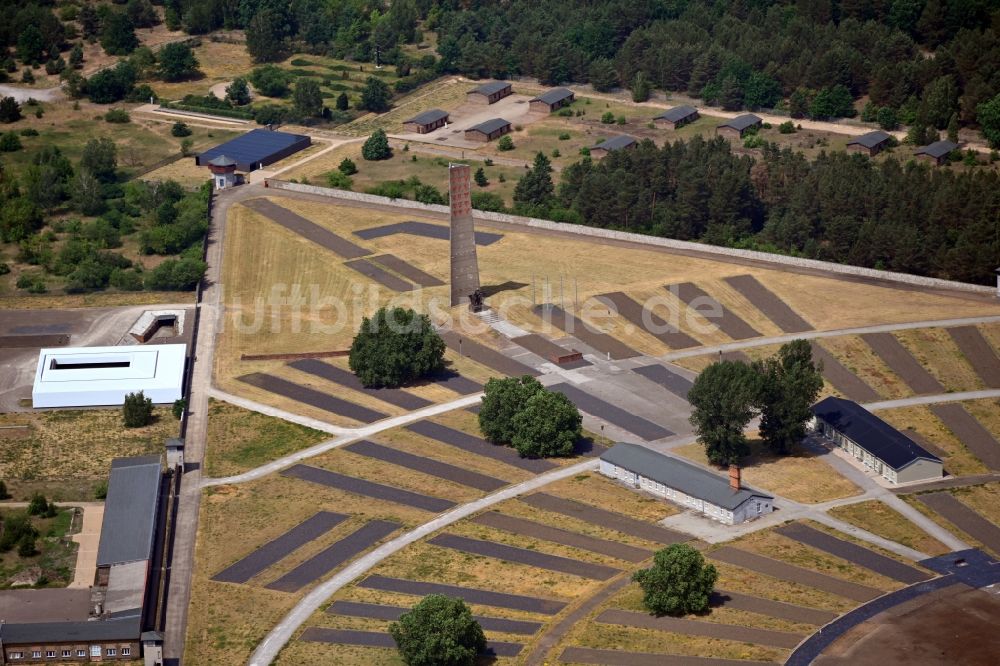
(376, 147)
(29, 131)
(3, 491)
(177, 409)
(339, 180)
(565, 112)
(787, 127)
(26, 546)
(556, 153)
(271, 81)
(505, 143)
(117, 116)
(10, 110)
(488, 201)
(520, 412)
(180, 129)
(395, 347)
(9, 142)
(347, 167)
(270, 114)
(608, 118)
(620, 120)
(564, 136)
(176, 275)
(137, 410)
(125, 280)
(38, 505)
(16, 527)
(480, 177)
(101, 490)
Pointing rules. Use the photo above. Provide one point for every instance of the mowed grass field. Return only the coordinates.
(958, 460)
(878, 518)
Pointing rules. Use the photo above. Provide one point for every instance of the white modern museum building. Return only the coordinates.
(98, 376)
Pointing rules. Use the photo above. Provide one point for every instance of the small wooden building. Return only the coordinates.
(870, 144)
(936, 152)
(553, 100)
(676, 117)
(489, 93)
(620, 142)
(736, 128)
(425, 122)
(488, 130)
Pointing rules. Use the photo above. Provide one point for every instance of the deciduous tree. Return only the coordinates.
(438, 631)
(395, 347)
(789, 384)
(678, 583)
(723, 397)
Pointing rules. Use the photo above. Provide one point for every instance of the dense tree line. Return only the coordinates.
(840, 207)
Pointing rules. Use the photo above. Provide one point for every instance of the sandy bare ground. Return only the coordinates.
(513, 108)
(41, 94)
(89, 537)
(219, 89)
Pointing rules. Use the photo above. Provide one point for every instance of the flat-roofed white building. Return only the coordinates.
(96, 376)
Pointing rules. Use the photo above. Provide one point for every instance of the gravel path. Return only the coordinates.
(970, 432)
(771, 608)
(582, 655)
(675, 383)
(613, 414)
(484, 355)
(424, 230)
(24, 94)
(479, 446)
(384, 640)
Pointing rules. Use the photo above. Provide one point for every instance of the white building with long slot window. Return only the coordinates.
(683, 483)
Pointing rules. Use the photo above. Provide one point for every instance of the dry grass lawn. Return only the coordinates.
(95, 300)
(800, 476)
(985, 500)
(76, 444)
(880, 519)
(958, 460)
(855, 355)
(597, 490)
(631, 639)
(239, 439)
(938, 353)
(770, 543)
(750, 582)
(444, 94)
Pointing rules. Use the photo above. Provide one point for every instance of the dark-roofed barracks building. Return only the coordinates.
(725, 500)
(874, 443)
(255, 149)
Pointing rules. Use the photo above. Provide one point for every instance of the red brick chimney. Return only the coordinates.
(734, 477)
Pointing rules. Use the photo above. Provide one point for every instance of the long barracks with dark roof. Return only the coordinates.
(875, 444)
(725, 500)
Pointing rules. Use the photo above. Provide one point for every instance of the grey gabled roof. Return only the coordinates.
(222, 161)
(679, 475)
(740, 123)
(130, 510)
(871, 433)
(554, 96)
(937, 149)
(677, 113)
(870, 140)
(428, 117)
(489, 126)
(127, 629)
(491, 87)
(616, 142)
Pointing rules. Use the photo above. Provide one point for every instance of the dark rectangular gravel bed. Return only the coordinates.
(778, 609)
(407, 270)
(384, 640)
(672, 381)
(843, 379)
(864, 557)
(515, 525)
(424, 229)
(308, 230)
(902, 362)
(632, 311)
(279, 548)
(479, 446)
(424, 465)
(467, 594)
(524, 556)
(981, 355)
(582, 655)
(784, 571)
(613, 414)
(729, 632)
(487, 356)
(393, 613)
(380, 275)
(765, 300)
(729, 323)
(610, 519)
(348, 379)
(358, 486)
(333, 556)
(970, 432)
(964, 518)
(457, 383)
(308, 396)
(32, 341)
(548, 350)
(602, 342)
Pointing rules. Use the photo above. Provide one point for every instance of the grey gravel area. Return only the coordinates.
(332, 373)
(468, 594)
(765, 300)
(407, 270)
(979, 352)
(384, 640)
(729, 632)
(525, 556)
(479, 446)
(604, 518)
(308, 230)
(648, 321)
(970, 432)
(841, 378)
(334, 555)
(484, 355)
(582, 655)
(778, 609)
(964, 518)
(429, 466)
(902, 362)
(548, 350)
(672, 381)
(784, 571)
(279, 548)
(729, 323)
(309, 396)
(392, 613)
(606, 344)
(380, 275)
(367, 488)
(851, 552)
(613, 414)
(424, 229)
(530, 528)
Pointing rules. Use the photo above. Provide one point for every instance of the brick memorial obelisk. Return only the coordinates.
(464, 265)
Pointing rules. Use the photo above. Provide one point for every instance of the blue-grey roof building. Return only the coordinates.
(489, 93)
(725, 500)
(425, 122)
(875, 444)
(936, 152)
(676, 117)
(740, 125)
(488, 130)
(130, 511)
(552, 100)
(620, 142)
(256, 149)
(870, 144)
